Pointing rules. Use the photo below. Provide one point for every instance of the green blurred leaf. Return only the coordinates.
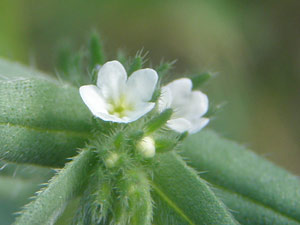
(199, 79)
(164, 68)
(14, 193)
(136, 64)
(243, 173)
(42, 121)
(186, 194)
(96, 51)
(158, 121)
(249, 212)
(17, 184)
(68, 183)
(64, 59)
(25, 172)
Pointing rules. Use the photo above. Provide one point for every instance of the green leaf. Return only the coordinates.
(68, 183)
(134, 205)
(96, 51)
(136, 64)
(164, 68)
(158, 121)
(180, 188)
(44, 147)
(64, 59)
(69, 213)
(42, 121)
(243, 173)
(199, 79)
(248, 212)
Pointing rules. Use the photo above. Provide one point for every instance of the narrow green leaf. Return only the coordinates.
(41, 122)
(14, 193)
(95, 202)
(234, 168)
(189, 196)
(122, 58)
(51, 202)
(249, 212)
(64, 59)
(164, 214)
(164, 68)
(158, 121)
(136, 64)
(199, 79)
(96, 51)
(134, 206)
(43, 147)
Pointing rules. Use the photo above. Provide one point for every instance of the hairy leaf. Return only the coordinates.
(186, 194)
(41, 121)
(51, 201)
(250, 212)
(242, 172)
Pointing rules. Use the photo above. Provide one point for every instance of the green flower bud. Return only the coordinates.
(112, 159)
(146, 147)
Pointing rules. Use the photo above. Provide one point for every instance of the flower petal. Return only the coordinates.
(141, 84)
(132, 116)
(165, 99)
(111, 80)
(196, 106)
(111, 118)
(140, 110)
(180, 124)
(198, 124)
(92, 97)
(180, 90)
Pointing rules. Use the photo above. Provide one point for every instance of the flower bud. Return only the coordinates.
(158, 121)
(111, 160)
(146, 147)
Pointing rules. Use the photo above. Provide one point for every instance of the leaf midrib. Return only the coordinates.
(79, 134)
(185, 217)
(254, 201)
(171, 203)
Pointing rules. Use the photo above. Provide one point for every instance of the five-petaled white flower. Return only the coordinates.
(118, 99)
(188, 106)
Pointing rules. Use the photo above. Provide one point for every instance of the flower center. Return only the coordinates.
(120, 108)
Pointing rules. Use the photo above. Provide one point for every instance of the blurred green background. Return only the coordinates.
(253, 47)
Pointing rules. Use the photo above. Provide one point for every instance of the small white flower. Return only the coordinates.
(188, 106)
(118, 99)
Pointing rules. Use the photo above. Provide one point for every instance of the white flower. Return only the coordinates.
(118, 99)
(188, 106)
